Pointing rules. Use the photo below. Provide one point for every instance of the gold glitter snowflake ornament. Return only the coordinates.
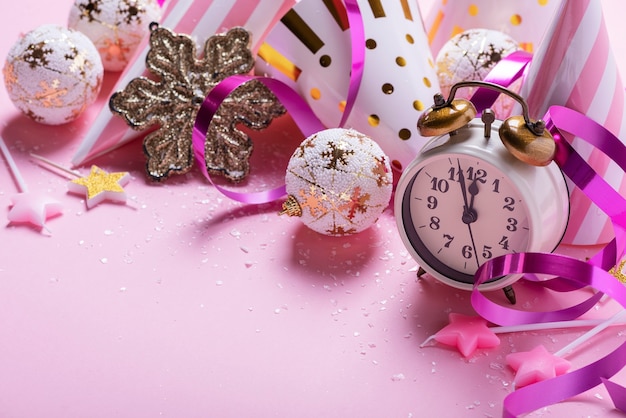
(174, 100)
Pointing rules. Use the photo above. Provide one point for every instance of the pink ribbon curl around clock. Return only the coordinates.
(569, 272)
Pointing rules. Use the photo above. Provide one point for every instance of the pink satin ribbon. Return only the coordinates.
(505, 73)
(298, 108)
(564, 122)
(357, 43)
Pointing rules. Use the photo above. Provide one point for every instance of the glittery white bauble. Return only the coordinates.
(116, 27)
(470, 56)
(53, 74)
(341, 180)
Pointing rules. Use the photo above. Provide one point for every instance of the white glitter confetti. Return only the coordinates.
(398, 377)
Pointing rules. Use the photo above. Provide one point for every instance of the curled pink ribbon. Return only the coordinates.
(504, 73)
(297, 107)
(564, 122)
(300, 111)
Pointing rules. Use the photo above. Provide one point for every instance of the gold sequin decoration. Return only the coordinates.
(173, 103)
(618, 272)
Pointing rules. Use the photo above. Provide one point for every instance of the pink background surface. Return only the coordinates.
(184, 303)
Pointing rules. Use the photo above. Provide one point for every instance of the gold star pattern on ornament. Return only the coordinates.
(89, 9)
(50, 95)
(173, 102)
(356, 202)
(130, 10)
(100, 185)
(337, 154)
(380, 172)
(37, 55)
(313, 202)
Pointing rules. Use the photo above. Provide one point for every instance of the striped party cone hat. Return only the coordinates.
(574, 67)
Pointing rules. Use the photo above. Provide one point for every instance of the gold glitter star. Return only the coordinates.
(618, 272)
(100, 185)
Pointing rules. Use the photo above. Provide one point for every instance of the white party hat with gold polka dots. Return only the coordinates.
(310, 49)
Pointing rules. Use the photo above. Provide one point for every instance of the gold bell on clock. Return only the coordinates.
(525, 139)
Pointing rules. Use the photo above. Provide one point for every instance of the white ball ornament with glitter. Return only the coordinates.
(470, 56)
(53, 74)
(116, 27)
(339, 182)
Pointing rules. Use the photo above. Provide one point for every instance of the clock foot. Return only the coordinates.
(510, 294)
(420, 272)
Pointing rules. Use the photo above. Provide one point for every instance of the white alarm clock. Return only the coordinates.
(480, 189)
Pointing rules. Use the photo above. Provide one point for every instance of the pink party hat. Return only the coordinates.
(574, 67)
(198, 18)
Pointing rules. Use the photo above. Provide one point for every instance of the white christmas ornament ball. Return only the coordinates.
(470, 56)
(53, 74)
(116, 27)
(339, 182)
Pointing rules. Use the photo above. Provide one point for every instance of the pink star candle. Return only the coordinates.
(28, 207)
(467, 333)
(536, 365)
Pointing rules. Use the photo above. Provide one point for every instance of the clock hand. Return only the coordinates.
(473, 191)
(469, 227)
(464, 217)
(469, 214)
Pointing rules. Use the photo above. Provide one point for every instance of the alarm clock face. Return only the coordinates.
(459, 211)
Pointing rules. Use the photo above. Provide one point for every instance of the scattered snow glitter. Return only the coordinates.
(398, 377)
